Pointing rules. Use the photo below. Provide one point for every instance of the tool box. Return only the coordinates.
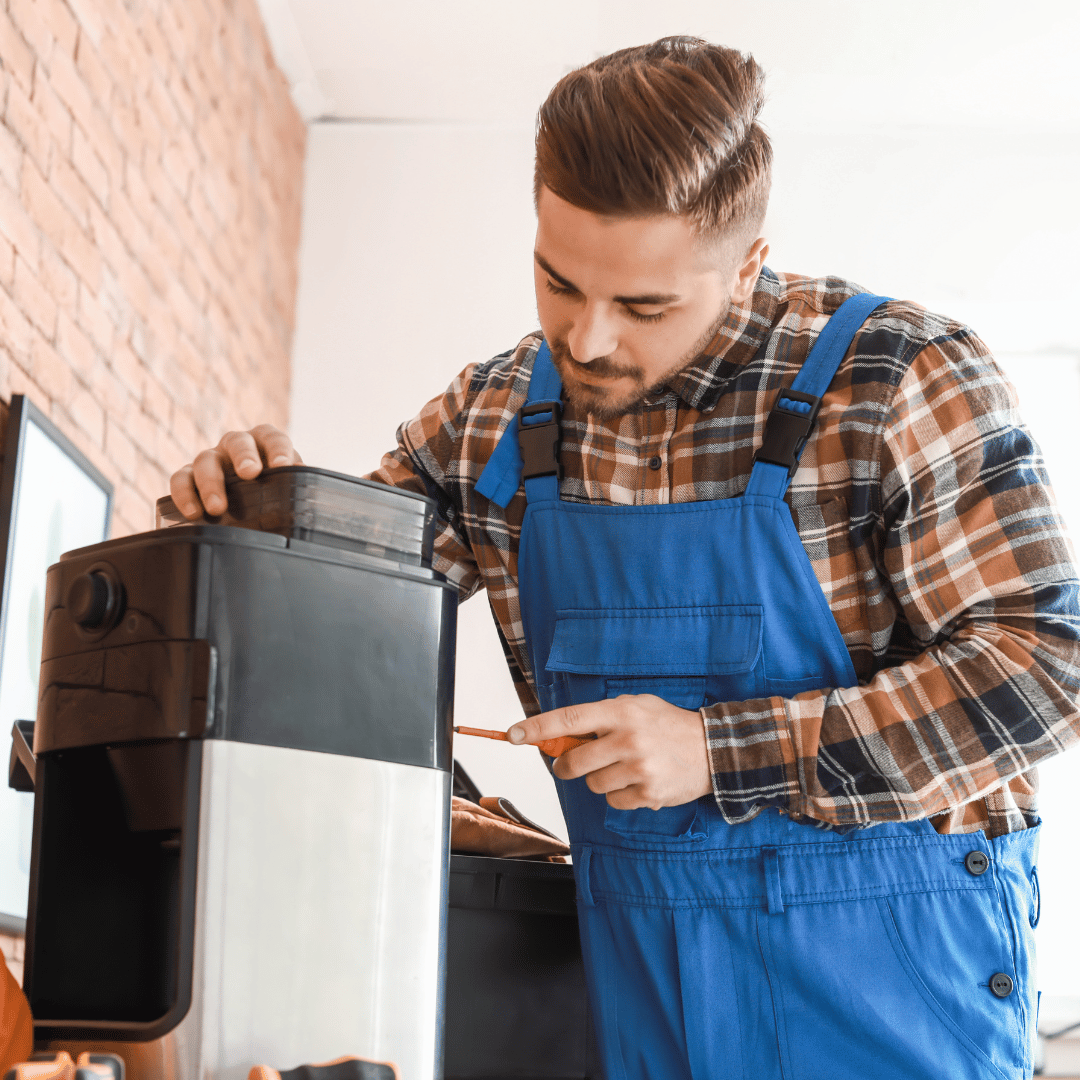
(515, 992)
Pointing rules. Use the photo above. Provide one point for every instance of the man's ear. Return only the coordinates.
(746, 274)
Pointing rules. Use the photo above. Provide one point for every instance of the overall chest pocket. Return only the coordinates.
(689, 656)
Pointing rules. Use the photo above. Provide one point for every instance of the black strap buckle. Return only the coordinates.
(787, 429)
(539, 441)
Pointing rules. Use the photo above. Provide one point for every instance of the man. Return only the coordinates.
(804, 834)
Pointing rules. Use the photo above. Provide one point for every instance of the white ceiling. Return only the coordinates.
(848, 64)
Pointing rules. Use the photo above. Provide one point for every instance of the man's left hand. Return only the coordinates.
(647, 752)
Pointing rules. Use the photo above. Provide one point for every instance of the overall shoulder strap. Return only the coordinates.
(529, 447)
(791, 420)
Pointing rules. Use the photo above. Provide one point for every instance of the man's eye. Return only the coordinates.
(559, 290)
(638, 317)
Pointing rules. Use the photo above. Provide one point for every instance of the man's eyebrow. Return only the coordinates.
(645, 299)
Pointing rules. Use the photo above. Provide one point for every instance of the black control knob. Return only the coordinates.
(92, 599)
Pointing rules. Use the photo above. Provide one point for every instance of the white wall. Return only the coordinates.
(926, 150)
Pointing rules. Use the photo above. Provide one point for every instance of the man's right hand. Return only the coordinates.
(241, 453)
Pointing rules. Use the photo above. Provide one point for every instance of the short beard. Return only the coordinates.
(603, 406)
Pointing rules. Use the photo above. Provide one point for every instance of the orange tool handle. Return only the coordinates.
(552, 747)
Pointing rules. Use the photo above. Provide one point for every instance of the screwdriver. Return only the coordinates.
(552, 747)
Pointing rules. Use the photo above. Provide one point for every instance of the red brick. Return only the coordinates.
(51, 372)
(75, 347)
(184, 310)
(67, 183)
(172, 457)
(11, 154)
(63, 418)
(94, 74)
(51, 216)
(187, 434)
(162, 106)
(103, 140)
(90, 167)
(191, 359)
(129, 65)
(28, 126)
(34, 300)
(70, 88)
(168, 248)
(54, 112)
(176, 26)
(15, 330)
(18, 57)
(179, 167)
(91, 17)
(94, 320)
(129, 370)
(19, 382)
(138, 192)
(111, 392)
(193, 281)
(61, 23)
(132, 512)
(143, 430)
(142, 342)
(86, 411)
(132, 231)
(135, 287)
(183, 99)
(115, 304)
(7, 264)
(82, 256)
(120, 448)
(26, 15)
(154, 40)
(157, 401)
(151, 480)
(108, 244)
(58, 279)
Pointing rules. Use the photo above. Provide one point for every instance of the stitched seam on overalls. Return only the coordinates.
(760, 900)
(791, 851)
(1007, 919)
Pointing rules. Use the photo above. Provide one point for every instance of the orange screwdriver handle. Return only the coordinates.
(552, 747)
(555, 747)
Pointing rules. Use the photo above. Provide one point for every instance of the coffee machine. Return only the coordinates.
(243, 775)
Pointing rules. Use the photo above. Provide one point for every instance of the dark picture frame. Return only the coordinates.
(52, 499)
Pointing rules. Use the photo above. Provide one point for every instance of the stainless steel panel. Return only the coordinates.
(320, 918)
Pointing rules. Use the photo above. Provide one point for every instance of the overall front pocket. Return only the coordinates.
(709, 653)
(688, 656)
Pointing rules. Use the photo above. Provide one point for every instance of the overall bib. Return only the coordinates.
(768, 949)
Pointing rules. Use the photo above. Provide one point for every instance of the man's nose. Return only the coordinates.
(593, 335)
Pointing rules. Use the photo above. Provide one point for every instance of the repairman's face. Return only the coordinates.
(625, 303)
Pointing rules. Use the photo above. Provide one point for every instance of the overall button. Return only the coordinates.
(1001, 985)
(976, 862)
(655, 462)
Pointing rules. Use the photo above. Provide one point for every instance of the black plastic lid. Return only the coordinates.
(327, 508)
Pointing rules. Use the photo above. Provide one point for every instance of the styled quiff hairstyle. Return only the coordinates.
(666, 128)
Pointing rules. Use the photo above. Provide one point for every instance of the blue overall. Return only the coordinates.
(770, 948)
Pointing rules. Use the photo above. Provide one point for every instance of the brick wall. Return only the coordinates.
(150, 185)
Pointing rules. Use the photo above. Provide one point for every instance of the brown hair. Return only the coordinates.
(666, 128)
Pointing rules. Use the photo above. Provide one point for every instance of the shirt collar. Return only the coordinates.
(736, 343)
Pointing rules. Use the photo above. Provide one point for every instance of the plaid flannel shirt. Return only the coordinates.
(923, 505)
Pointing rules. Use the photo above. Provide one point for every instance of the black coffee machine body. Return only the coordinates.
(243, 780)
